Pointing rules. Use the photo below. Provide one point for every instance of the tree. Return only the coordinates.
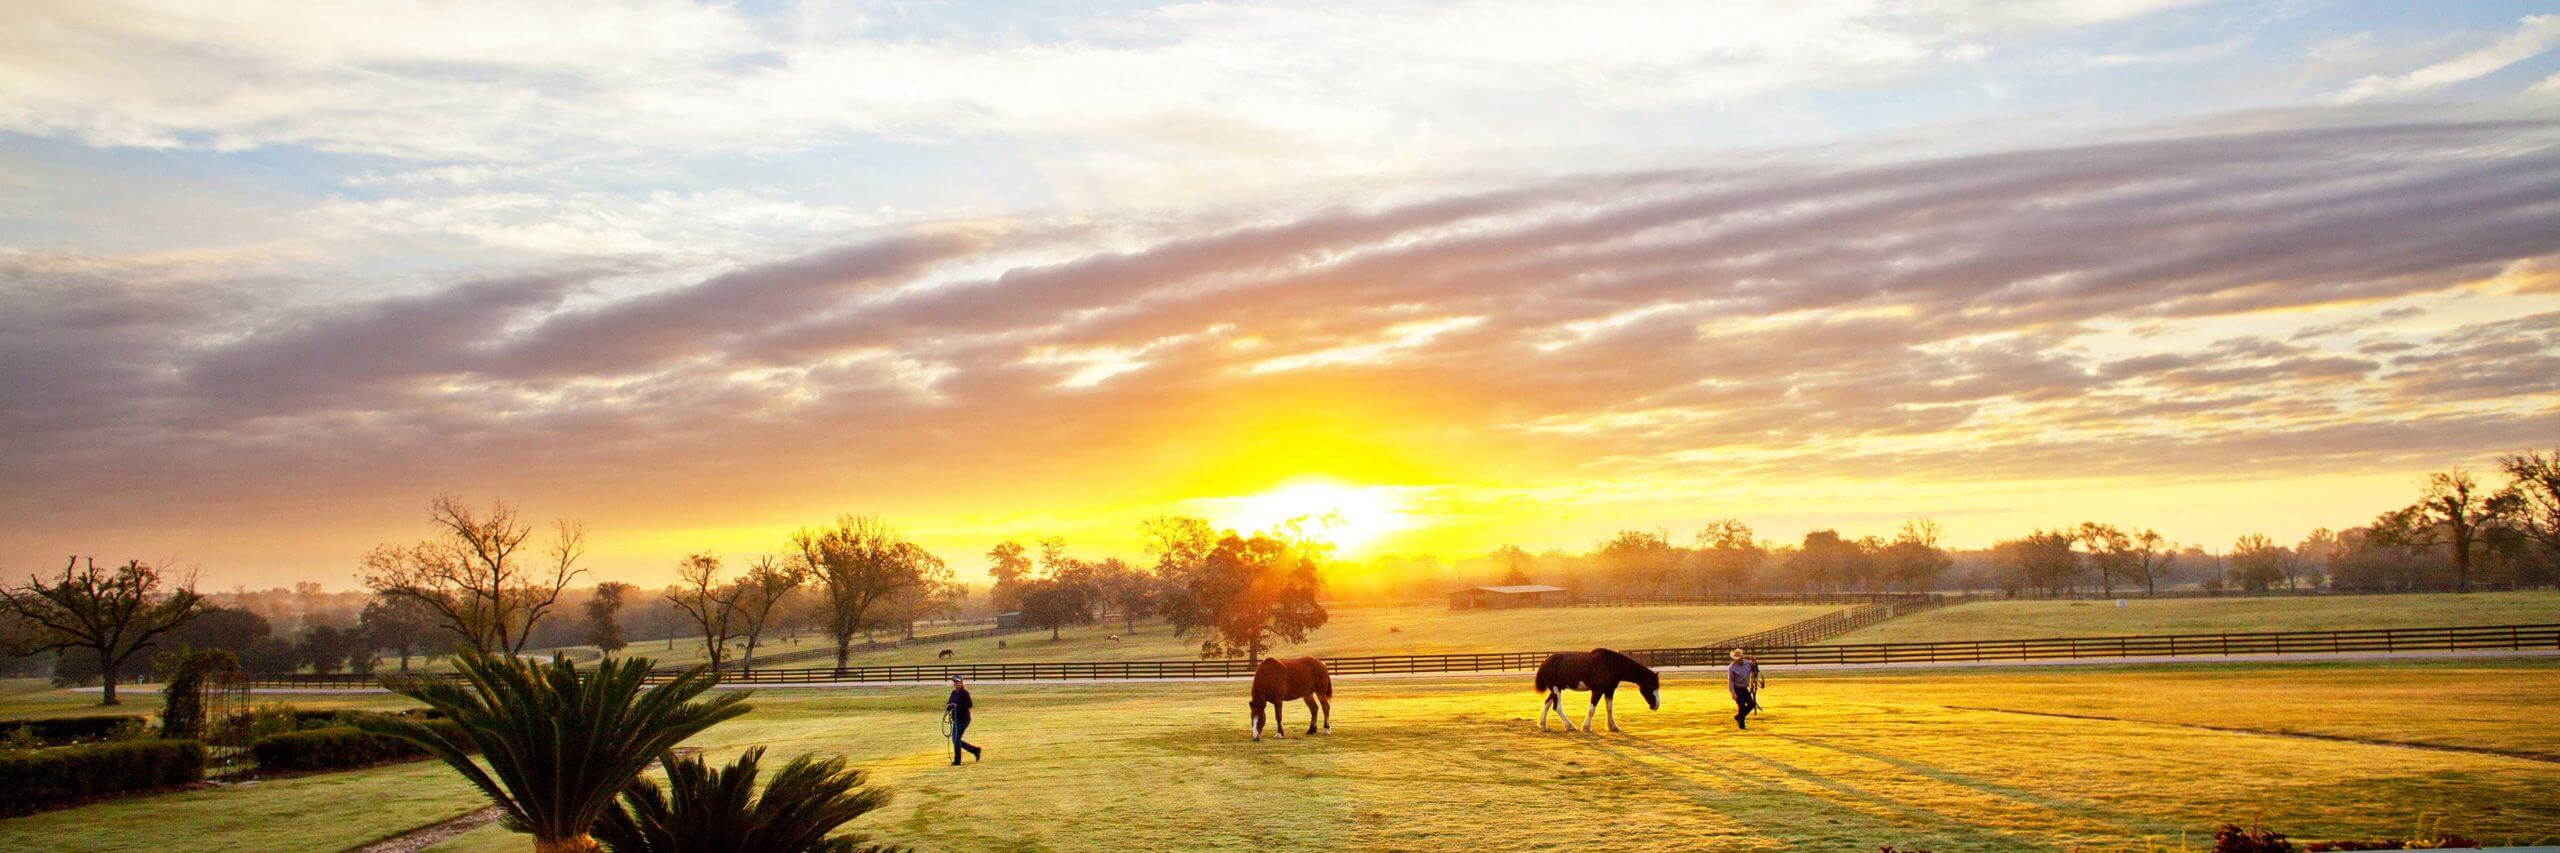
(711, 603)
(1514, 564)
(1010, 566)
(1640, 560)
(2110, 552)
(1727, 555)
(559, 743)
(1914, 561)
(2534, 489)
(1256, 590)
(222, 628)
(2258, 563)
(604, 627)
(398, 624)
(2453, 502)
(115, 613)
(723, 810)
(473, 576)
(761, 594)
(1181, 545)
(2043, 558)
(856, 564)
(1125, 588)
(1825, 562)
(2152, 557)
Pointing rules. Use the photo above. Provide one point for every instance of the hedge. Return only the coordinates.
(338, 747)
(43, 777)
(67, 729)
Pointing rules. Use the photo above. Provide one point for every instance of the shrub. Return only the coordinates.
(61, 730)
(337, 748)
(47, 777)
(2232, 839)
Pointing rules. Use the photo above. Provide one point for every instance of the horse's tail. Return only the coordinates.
(1551, 673)
(1323, 681)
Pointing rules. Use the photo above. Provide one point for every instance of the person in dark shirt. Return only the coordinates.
(1743, 677)
(958, 710)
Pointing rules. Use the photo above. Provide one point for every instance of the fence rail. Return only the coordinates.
(1744, 598)
(2384, 640)
(824, 652)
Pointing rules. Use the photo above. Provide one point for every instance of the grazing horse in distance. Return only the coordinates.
(1281, 681)
(1599, 671)
(946, 653)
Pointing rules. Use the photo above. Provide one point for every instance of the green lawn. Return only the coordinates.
(1390, 631)
(2004, 620)
(1948, 760)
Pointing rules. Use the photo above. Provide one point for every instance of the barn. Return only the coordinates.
(1501, 597)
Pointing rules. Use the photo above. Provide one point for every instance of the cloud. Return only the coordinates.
(2182, 304)
(2534, 35)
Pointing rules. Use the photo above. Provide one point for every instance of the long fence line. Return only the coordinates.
(2535, 637)
(828, 651)
(1829, 625)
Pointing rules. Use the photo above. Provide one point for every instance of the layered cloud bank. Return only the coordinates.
(2330, 299)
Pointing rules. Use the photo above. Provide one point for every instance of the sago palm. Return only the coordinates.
(559, 743)
(717, 811)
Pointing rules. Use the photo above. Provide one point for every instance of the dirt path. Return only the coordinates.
(427, 836)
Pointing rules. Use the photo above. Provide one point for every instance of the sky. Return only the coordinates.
(275, 275)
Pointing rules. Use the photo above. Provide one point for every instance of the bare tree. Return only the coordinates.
(114, 613)
(761, 594)
(2110, 552)
(474, 577)
(856, 564)
(2454, 501)
(711, 603)
(2534, 486)
(2151, 557)
(1914, 560)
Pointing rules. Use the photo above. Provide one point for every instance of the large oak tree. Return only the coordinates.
(115, 613)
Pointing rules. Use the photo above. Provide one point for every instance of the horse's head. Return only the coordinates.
(1650, 685)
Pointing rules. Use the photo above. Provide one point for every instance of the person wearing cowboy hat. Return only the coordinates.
(958, 710)
(1743, 677)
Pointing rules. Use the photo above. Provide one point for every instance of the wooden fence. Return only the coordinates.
(2538, 637)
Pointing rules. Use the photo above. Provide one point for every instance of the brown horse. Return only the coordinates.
(1599, 671)
(1280, 681)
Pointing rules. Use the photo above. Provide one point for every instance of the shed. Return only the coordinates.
(1500, 597)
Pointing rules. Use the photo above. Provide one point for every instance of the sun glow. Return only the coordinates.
(1350, 517)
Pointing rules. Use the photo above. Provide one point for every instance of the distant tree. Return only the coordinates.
(710, 602)
(2152, 556)
(604, 611)
(855, 565)
(1914, 561)
(222, 628)
(2042, 559)
(325, 649)
(2534, 487)
(2454, 502)
(1825, 562)
(1514, 564)
(271, 656)
(473, 576)
(1124, 588)
(115, 613)
(1641, 561)
(1257, 590)
(2408, 533)
(761, 595)
(399, 624)
(2258, 563)
(1010, 566)
(1727, 555)
(2316, 557)
(1181, 545)
(2110, 552)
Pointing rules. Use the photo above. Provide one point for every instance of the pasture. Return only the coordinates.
(2097, 758)
(2010, 620)
(1351, 631)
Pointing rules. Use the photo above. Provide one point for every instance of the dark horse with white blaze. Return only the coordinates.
(1281, 681)
(1599, 671)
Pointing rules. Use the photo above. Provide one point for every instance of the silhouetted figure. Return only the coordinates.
(958, 709)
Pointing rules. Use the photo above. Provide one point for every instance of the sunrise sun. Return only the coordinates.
(1350, 517)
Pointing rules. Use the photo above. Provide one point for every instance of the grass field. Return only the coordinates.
(2004, 620)
(1946, 760)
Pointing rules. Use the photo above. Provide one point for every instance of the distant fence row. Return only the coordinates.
(2538, 637)
(1827, 626)
(825, 652)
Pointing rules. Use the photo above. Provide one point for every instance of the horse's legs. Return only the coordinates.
(1613, 713)
(1328, 713)
(1279, 719)
(1594, 709)
(1546, 704)
(1257, 720)
(1311, 713)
